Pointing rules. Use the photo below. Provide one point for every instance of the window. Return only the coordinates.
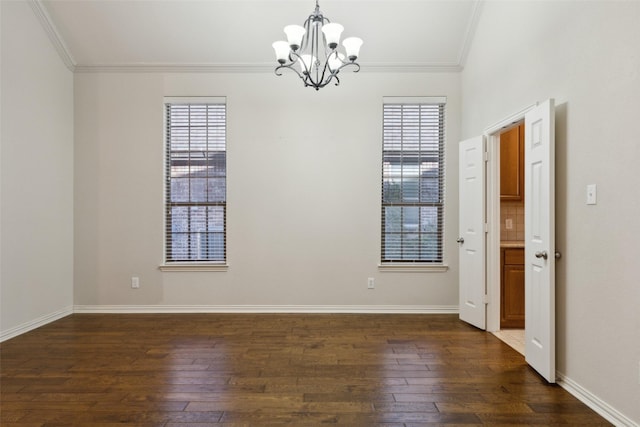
(412, 180)
(196, 180)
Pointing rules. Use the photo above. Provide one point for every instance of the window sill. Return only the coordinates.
(194, 266)
(398, 267)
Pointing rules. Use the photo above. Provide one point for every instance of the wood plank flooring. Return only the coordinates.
(273, 369)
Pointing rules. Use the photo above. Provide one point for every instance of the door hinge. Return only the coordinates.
(485, 156)
(485, 227)
(485, 299)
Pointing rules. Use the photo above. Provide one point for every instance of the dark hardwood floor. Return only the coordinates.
(273, 369)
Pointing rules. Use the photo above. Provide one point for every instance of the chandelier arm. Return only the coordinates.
(317, 83)
(346, 64)
(306, 80)
(325, 68)
(332, 74)
(290, 67)
(331, 77)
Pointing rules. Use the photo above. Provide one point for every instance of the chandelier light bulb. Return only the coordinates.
(294, 35)
(352, 47)
(332, 32)
(282, 51)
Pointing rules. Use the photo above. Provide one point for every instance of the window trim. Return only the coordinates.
(194, 266)
(414, 265)
(186, 266)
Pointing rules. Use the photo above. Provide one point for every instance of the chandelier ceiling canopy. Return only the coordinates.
(312, 50)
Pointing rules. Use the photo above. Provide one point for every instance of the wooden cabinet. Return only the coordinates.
(512, 164)
(512, 288)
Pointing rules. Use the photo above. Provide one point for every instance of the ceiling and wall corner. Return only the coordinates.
(50, 29)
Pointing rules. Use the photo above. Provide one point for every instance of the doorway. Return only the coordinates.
(510, 164)
(496, 218)
(480, 239)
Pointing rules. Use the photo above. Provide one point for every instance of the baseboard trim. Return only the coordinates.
(594, 402)
(34, 324)
(373, 309)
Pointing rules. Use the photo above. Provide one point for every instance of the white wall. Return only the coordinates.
(586, 56)
(36, 175)
(304, 182)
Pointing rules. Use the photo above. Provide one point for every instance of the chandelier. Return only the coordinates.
(311, 51)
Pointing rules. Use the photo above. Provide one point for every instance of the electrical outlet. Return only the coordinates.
(135, 283)
(371, 283)
(592, 197)
(508, 224)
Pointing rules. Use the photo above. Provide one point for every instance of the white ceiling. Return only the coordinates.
(237, 34)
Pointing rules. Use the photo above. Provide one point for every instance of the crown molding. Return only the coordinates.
(254, 68)
(174, 68)
(412, 68)
(470, 33)
(50, 29)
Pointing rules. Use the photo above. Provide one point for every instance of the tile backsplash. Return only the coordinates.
(512, 212)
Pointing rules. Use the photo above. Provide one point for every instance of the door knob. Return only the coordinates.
(460, 240)
(558, 255)
(542, 254)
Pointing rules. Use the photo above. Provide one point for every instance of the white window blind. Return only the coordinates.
(195, 185)
(413, 181)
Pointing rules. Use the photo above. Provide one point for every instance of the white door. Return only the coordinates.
(472, 237)
(540, 240)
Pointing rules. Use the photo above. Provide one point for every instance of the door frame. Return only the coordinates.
(492, 137)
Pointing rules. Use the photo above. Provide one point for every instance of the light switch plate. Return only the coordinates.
(591, 194)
